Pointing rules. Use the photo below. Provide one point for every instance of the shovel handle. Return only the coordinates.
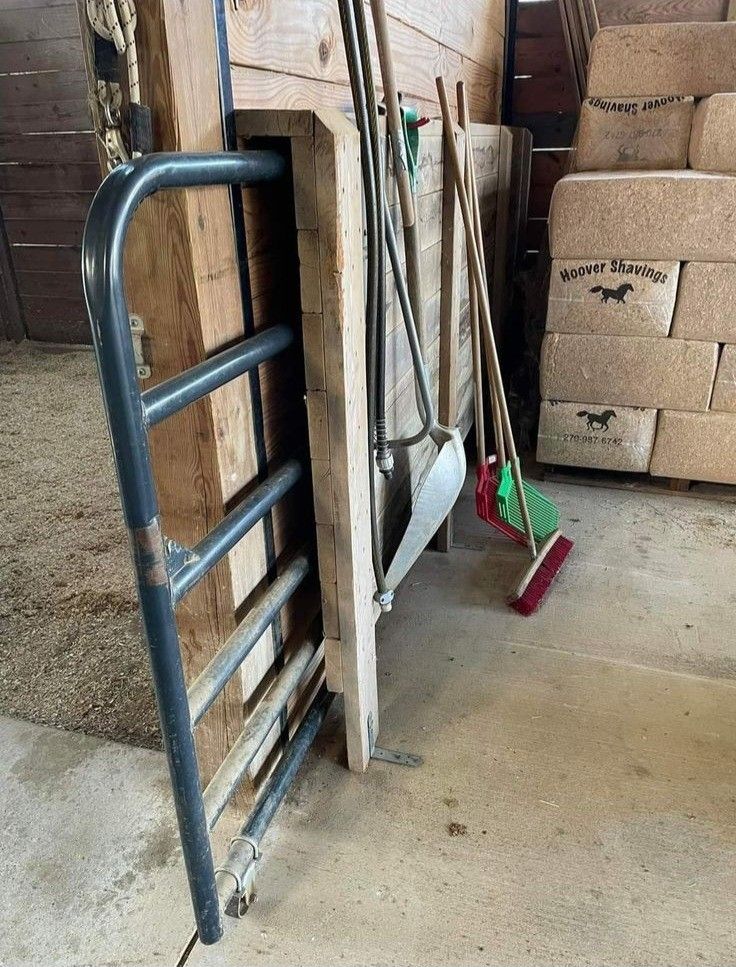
(393, 112)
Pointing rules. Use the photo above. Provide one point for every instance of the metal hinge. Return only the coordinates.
(138, 331)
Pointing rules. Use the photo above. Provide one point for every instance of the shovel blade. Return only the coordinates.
(435, 500)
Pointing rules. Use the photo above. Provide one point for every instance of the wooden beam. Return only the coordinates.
(338, 197)
(327, 203)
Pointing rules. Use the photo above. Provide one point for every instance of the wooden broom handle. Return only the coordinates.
(480, 429)
(393, 112)
(472, 187)
(485, 309)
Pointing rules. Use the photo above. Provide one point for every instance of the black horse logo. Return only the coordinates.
(628, 152)
(618, 295)
(598, 419)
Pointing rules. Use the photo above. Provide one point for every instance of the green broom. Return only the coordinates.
(543, 514)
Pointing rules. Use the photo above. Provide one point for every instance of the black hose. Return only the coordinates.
(383, 456)
(378, 229)
(375, 255)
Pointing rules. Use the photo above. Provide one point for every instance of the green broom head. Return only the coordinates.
(544, 515)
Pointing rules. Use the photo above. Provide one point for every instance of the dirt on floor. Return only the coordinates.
(71, 653)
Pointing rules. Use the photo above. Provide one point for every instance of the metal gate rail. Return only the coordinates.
(164, 570)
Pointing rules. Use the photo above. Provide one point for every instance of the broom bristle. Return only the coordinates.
(531, 597)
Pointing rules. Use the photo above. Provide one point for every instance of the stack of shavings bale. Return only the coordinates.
(638, 368)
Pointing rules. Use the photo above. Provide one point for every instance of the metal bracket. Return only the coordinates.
(138, 331)
(389, 755)
(396, 758)
(177, 556)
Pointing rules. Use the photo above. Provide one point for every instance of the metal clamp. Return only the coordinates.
(384, 599)
(251, 842)
(244, 894)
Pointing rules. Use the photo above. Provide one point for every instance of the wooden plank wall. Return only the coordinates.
(48, 162)
(291, 55)
(48, 159)
(543, 98)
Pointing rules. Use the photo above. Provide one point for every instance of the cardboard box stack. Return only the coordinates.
(638, 367)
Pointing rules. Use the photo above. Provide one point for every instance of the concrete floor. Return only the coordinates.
(576, 804)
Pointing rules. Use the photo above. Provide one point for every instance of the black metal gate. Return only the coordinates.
(166, 572)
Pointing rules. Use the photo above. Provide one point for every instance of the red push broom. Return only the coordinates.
(548, 558)
(486, 487)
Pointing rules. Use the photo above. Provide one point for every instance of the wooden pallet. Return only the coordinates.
(639, 482)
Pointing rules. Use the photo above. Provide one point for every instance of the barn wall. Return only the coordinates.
(48, 164)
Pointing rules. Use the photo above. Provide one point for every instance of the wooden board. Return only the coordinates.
(265, 90)
(54, 23)
(476, 31)
(48, 161)
(310, 46)
(279, 61)
(35, 177)
(328, 226)
(547, 169)
(44, 148)
(68, 115)
(31, 55)
(515, 153)
(339, 213)
(42, 87)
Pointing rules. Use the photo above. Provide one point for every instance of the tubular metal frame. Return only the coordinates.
(164, 571)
